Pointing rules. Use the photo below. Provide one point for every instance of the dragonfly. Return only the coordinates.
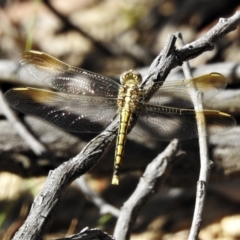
(84, 101)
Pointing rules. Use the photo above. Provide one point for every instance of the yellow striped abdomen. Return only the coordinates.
(125, 117)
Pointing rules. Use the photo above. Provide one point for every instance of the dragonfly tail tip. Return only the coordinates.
(115, 180)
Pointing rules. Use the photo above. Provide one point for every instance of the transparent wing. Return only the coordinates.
(65, 78)
(176, 93)
(75, 113)
(165, 123)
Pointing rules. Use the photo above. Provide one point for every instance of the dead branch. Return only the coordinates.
(48, 199)
(205, 163)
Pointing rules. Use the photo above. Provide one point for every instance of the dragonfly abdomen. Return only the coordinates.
(125, 117)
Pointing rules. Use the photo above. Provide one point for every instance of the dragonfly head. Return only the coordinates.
(131, 76)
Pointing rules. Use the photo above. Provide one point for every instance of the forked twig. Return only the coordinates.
(205, 165)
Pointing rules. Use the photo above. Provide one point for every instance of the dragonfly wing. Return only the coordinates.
(65, 78)
(75, 113)
(177, 93)
(165, 123)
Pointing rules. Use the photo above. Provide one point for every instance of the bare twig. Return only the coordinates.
(89, 234)
(103, 206)
(205, 165)
(146, 187)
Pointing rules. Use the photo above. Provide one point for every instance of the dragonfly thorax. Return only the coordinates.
(131, 77)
